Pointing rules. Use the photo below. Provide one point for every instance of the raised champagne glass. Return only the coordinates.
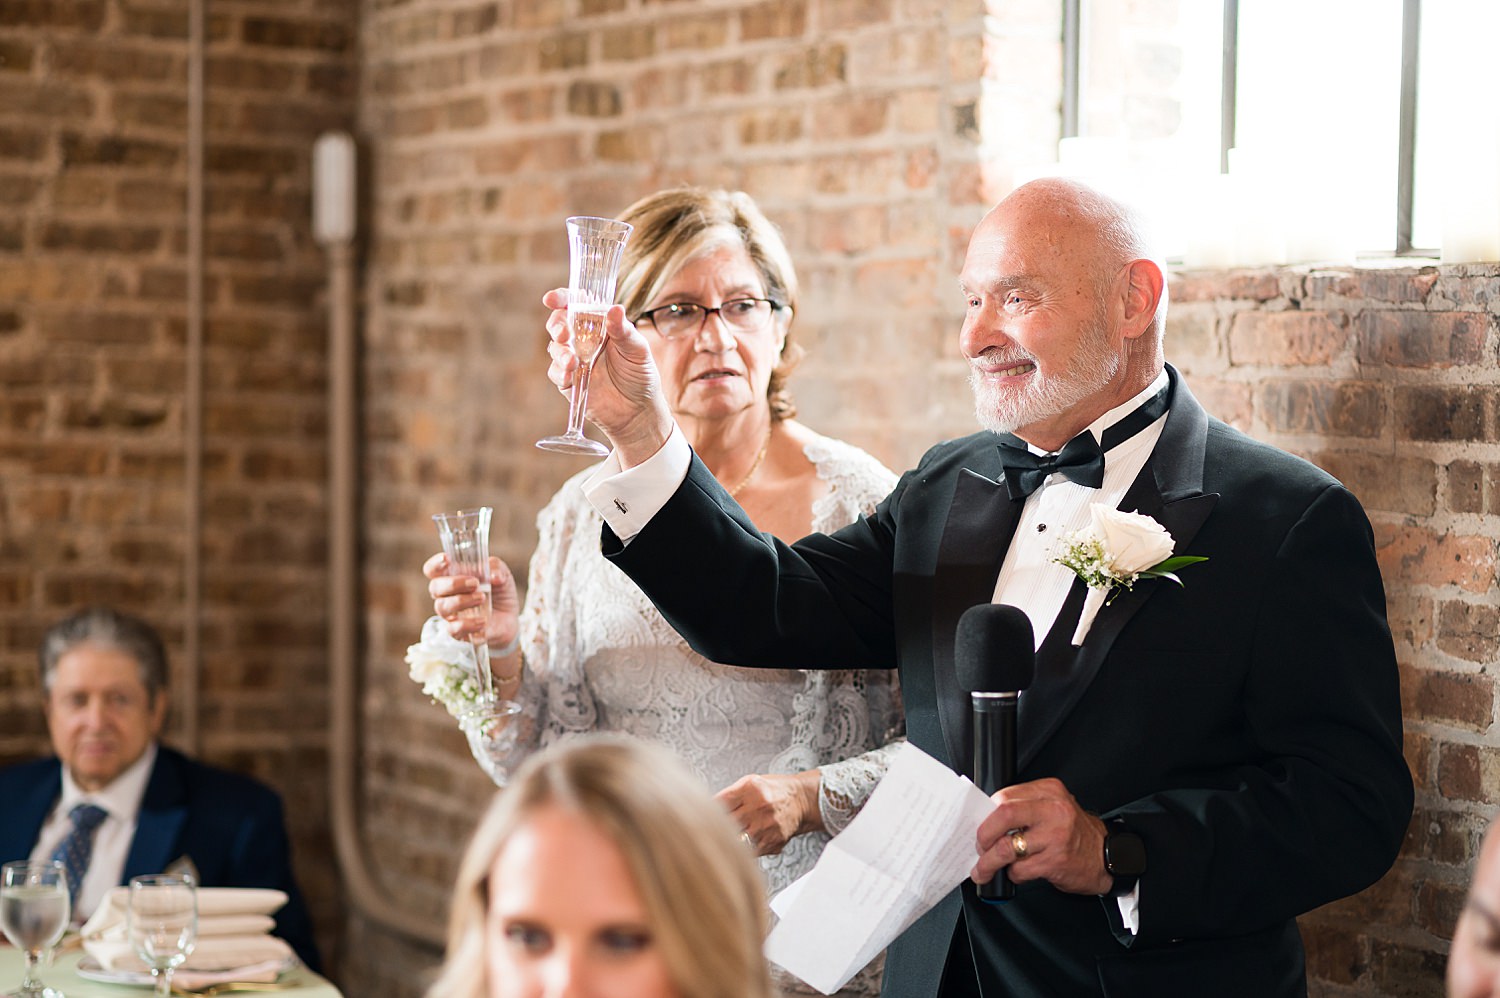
(34, 912)
(594, 248)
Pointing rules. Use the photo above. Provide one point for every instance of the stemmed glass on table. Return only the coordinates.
(162, 924)
(594, 248)
(34, 912)
(466, 545)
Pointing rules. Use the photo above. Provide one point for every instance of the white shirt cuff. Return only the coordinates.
(1130, 909)
(628, 499)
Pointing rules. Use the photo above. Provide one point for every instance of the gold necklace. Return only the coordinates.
(754, 467)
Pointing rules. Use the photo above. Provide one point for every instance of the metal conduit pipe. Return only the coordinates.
(190, 679)
(333, 226)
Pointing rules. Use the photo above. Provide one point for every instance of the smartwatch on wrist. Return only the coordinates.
(1124, 856)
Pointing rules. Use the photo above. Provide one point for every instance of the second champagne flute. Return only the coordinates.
(594, 248)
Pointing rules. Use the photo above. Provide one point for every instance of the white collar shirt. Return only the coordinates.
(122, 800)
(1029, 578)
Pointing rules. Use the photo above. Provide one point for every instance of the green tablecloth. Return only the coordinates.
(63, 975)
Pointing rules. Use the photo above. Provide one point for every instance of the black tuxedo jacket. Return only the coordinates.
(1247, 724)
(229, 825)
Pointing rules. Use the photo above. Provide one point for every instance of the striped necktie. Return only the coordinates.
(76, 849)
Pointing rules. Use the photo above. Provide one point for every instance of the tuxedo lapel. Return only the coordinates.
(1168, 489)
(981, 520)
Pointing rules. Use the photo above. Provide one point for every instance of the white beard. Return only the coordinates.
(1002, 410)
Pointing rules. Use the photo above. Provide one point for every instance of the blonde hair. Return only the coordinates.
(702, 891)
(674, 227)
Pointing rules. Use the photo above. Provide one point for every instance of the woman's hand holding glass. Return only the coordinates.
(625, 398)
(453, 594)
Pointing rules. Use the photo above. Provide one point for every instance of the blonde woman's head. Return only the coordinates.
(606, 860)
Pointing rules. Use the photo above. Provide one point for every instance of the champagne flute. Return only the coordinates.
(594, 248)
(34, 911)
(466, 544)
(162, 924)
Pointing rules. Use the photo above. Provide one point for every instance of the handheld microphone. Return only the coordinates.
(995, 656)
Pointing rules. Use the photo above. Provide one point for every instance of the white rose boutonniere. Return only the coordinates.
(445, 668)
(1113, 552)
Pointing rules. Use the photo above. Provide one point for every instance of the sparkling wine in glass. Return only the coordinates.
(34, 911)
(162, 924)
(594, 248)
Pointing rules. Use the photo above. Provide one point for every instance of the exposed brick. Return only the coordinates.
(285, 33)
(101, 238)
(1466, 486)
(1287, 338)
(816, 66)
(117, 63)
(83, 15)
(1460, 698)
(594, 99)
(1397, 969)
(695, 33)
(1383, 481)
(1334, 954)
(1422, 339)
(630, 43)
(1412, 555)
(836, 15)
(105, 150)
(1470, 631)
(566, 51)
(1443, 412)
(774, 19)
(1339, 408)
(15, 55)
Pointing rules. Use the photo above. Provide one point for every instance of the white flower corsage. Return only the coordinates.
(1112, 552)
(445, 668)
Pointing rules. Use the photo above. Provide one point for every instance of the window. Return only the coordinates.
(1291, 130)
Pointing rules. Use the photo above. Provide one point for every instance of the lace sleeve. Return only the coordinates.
(843, 787)
(553, 697)
(549, 632)
(857, 482)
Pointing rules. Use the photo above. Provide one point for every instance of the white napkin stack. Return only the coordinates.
(234, 941)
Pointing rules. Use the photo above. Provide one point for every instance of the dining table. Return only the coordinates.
(62, 974)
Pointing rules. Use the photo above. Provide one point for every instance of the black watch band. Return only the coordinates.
(1124, 856)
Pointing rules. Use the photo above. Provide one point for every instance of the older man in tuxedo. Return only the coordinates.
(1210, 761)
(114, 803)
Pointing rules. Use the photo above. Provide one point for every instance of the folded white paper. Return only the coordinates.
(913, 842)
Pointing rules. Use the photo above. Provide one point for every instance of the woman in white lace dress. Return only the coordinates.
(708, 280)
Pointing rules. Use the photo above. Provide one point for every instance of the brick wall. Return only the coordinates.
(1387, 377)
(93, 365)
(875, 132)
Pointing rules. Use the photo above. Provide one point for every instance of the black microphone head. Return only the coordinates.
(993, 649)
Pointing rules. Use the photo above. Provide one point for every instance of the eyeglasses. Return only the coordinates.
(685, 318)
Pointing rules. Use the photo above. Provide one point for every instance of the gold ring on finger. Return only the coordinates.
(1018, 843)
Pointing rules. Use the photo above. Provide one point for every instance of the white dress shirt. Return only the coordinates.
(1029, 578)
(122, 800)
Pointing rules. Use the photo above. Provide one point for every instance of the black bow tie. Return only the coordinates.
(1081, 460)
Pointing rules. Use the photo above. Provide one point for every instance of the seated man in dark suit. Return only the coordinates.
(118, 802)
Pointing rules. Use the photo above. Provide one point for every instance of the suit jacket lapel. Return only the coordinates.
(980, 523)
(1169, 489)
(159, 825)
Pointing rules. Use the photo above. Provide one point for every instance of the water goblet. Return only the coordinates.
(594, 248)
(162, 924)
(34, 910)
